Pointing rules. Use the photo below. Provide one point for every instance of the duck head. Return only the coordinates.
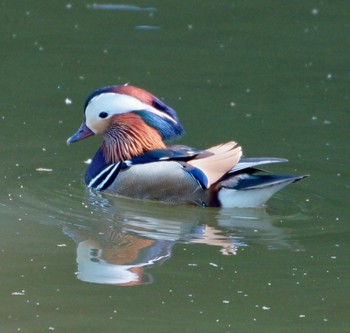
(131, 121)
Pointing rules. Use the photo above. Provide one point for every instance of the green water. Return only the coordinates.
(272, 75)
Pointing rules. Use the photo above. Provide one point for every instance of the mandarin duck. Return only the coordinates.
(134, 160)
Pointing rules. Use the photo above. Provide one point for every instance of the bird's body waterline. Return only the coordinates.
(134, 160)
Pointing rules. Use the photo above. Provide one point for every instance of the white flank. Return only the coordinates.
(253, 198)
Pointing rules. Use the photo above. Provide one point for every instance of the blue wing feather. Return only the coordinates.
(248, 182)
(175, 153)
(249, 163)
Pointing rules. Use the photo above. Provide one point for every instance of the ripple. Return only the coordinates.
(119, 239)
(57, 198)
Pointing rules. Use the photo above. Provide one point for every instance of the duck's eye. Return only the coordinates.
(103, 114)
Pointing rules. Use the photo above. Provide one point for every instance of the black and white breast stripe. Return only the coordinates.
(106, 177)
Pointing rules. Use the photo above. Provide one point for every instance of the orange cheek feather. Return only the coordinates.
(142, 95)
(130, 136)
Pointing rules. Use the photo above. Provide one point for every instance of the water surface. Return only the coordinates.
(270, 75)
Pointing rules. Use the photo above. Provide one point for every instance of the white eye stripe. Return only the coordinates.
(119, 104)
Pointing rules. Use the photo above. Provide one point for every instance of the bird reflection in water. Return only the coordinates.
(115, 256)
(129, 236)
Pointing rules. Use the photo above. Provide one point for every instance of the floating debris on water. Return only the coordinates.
(44, 169)
(147, 27)
(121, 7)
(314, 11)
